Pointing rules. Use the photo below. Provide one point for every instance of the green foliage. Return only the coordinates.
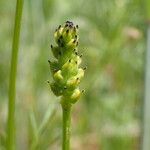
(12, 82)
(113, 33)
(37, 131)
(147, 9)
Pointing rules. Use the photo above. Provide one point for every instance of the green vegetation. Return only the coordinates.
(66, 73)
(12, 83)
(112, 40)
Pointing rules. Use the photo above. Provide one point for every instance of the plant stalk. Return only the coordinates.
(12, 81)
(66, 127)
(146, 117)
(146, 111)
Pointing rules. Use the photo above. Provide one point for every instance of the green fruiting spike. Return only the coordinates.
(67, 73)
(65, 69)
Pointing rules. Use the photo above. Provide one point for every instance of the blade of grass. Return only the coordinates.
(146, 117)
(34, 130)
(47, 117)
(147, 9)
(146, 111)
(12, 82)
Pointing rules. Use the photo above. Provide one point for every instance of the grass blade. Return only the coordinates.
(12, 82)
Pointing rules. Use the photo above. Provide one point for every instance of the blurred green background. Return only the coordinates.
(112, 40)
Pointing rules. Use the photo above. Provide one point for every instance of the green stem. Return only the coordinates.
(12, 82)
(66, 127)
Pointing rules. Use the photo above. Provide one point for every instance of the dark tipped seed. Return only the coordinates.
(77, 78)
(59, 27)
(77, 26)
(58, 40)
(67, 21)
(49, 61)
(81, 55)
(75, 36)
(61, 37)
(83, 91)
(48, 81)
(70, 26)
(76, 62)
(51, 46)
(74, 41)
(76, 53)
(77, 43)
(59, 53)
(69, 60)
(66, 25)
(67, 31)
(84, 68)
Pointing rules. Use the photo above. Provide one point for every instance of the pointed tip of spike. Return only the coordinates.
(68, 21)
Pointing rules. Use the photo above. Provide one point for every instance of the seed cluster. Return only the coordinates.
(65, 68)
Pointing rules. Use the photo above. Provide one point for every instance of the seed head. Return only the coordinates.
(65, 69)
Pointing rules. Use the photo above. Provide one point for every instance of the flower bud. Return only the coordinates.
(75, 96)
(58, 76)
